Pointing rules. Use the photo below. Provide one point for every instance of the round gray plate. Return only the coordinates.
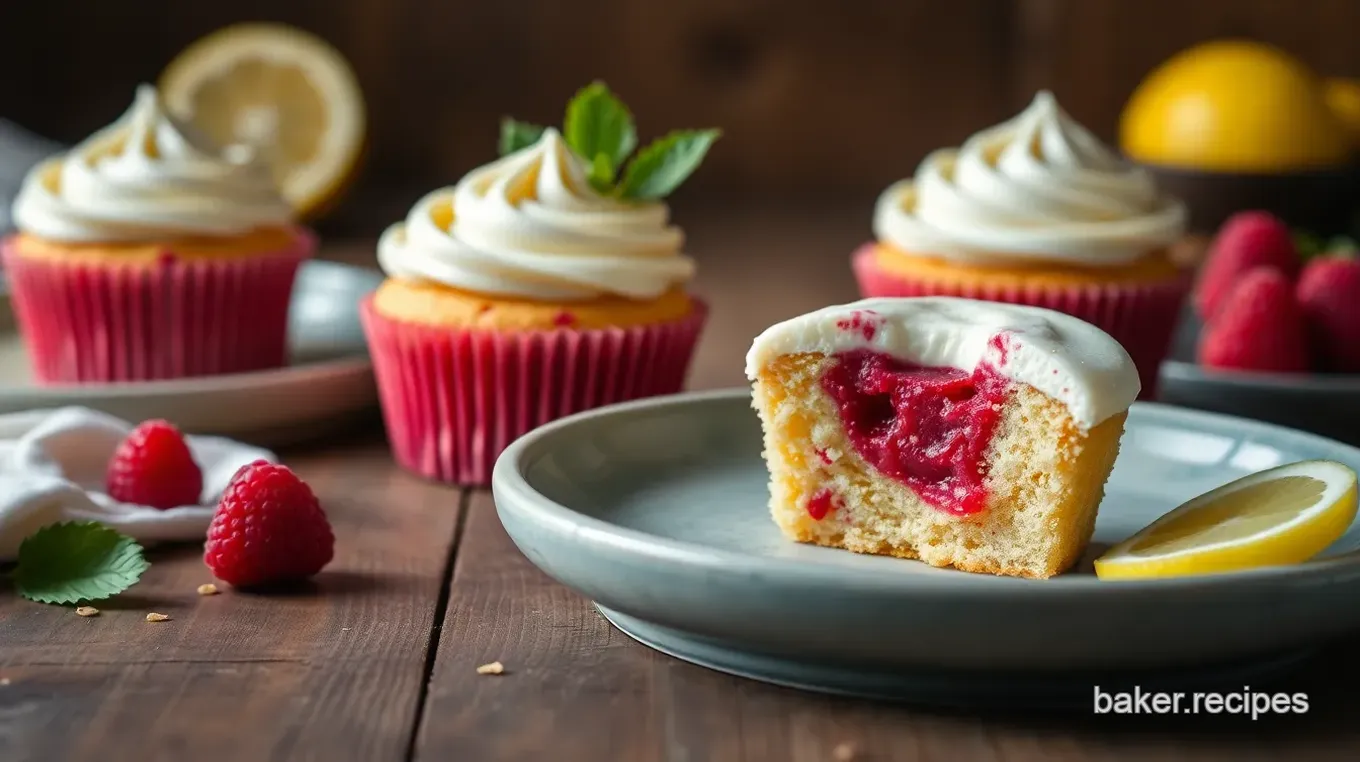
(329, 379)
(657, 511)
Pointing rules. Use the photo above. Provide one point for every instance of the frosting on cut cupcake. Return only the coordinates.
(1037, 188)
(148, 176)
(529, 225)
(1067, 359)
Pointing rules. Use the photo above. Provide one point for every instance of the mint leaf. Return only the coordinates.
(518, 135)
(662, 166)
(599, 125)
(1343, 246)
(602, 174)
(77, 561)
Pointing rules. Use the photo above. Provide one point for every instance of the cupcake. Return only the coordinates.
(1037, 211)
(147, 253)
(966, 434)
(547, 282)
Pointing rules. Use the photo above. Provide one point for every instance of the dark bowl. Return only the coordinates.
(1326, 404)
(1322, 201)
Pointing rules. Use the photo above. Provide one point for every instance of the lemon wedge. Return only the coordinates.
(1284, 515)
(285, 92)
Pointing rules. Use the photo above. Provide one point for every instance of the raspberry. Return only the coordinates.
(1258, 327)
(152, 466)
(268, 528)
(1329, 292)
(1246, 241)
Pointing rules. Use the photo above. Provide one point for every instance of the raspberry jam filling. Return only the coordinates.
(929, 428)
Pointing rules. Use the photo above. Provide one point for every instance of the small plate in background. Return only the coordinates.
(327, 384)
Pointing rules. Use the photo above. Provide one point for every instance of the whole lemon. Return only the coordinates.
(1233, 106)
(1343, 96)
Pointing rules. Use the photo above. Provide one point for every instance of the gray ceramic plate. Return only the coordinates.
(328, 381)
(1320, 403)
(657, 511)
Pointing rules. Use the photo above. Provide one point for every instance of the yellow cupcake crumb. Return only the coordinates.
(436, 305)
(1156, 267)
(152, 252)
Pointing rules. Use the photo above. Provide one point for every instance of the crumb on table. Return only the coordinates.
(494, 668)
(87, 611)
(207, 589)
(154, 617)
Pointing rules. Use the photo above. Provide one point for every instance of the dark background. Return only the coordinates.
(828, 101)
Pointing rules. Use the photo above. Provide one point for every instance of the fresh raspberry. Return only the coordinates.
(152, 466)
(268, 528)
(1246, 241)
(1258, 327)
(1329, 292)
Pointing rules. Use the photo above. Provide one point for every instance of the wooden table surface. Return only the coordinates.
(377, 661)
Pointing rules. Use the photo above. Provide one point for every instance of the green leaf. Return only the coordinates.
(1343, 246)
(77, 561)
(598, 124)
(661, 167)
(602, 174)
(1308, 245)
(518, 135)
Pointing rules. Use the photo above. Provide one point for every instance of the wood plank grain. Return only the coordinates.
(812, 98)
(577, 690)
(333, 671)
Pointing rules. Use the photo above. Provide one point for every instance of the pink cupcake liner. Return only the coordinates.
(1141, 317)
(98, 323)
(453, 399)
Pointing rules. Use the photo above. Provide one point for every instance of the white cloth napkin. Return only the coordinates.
(52, 467)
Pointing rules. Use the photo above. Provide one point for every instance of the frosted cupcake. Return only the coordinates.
(537, 286)
(146, 253)
(1036, 211)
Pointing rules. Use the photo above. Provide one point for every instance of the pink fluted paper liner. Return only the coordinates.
(1142, 317)
(100, 323)
(453, 399)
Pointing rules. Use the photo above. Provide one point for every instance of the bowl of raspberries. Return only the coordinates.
(1272, 331)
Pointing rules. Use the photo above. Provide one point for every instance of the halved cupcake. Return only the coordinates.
(963, 433)
(147, 252)
(547, 282)
(1037, 211)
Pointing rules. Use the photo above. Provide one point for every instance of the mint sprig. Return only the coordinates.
(77, 561)
(662, 166)
(1311, 246)
(600, 129)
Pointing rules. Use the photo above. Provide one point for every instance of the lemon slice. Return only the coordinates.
(282, 90)
(1284, 515)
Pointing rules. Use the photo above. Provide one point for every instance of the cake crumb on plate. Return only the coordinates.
(494, 668)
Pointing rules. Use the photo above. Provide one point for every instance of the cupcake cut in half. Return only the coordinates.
(963, 433)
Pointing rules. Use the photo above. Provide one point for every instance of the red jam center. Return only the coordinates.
(929, 428)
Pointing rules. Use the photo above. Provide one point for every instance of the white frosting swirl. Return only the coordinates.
(1039, 188)
(1067, 359)
(146, 177)
(529, 225)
